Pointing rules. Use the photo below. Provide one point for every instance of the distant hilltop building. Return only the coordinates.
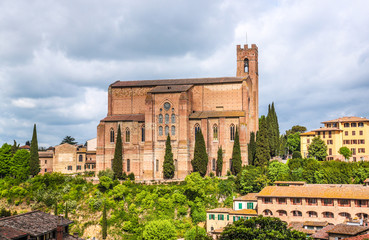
(147, 111)
(350, 132)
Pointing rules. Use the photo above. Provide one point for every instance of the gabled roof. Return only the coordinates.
(347, 119)
(340, 191)
(247, 197)
(186, 81)
(35, 223)
(322, 233)
(360, 237)
(345, 229)
(11, 233)
(244, 212)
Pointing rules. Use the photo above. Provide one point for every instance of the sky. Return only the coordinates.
(57, 58)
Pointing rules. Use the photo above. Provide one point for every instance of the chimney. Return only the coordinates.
(59, 229)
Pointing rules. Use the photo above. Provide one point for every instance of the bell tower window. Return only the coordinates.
(246, 65)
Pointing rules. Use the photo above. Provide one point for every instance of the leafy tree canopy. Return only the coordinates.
(293, 142)
(345, 152)
(160, 230)
(318, 149)
(69, 139)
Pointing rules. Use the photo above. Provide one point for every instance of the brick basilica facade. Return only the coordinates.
(147, 111)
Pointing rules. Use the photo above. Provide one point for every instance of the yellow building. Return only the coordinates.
(351, 132)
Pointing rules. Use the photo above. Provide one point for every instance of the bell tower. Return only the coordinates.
(247, 61)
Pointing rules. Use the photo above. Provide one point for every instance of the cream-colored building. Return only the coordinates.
(350, 132)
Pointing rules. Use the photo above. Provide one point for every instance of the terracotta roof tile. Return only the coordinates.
(125, 117)
(170, 89)
(11, 233)
(322, 233)
(347, 119)
(340, 191)
(315, 223)
(244, 212)
(216, 114)
(311, 133)
(247, 197)
(186, 81)
(219, 210)
(324, 129)
(347, 229)
(360, 237)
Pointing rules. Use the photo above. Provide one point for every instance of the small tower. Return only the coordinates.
(247, 61)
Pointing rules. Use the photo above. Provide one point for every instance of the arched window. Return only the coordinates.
(282, 213)
(166, 118)
(157, 165)
(143, 133)
(80, 158)
(128, 135)
(173, 129)
(160, 131)
(173, 118)
(215, 132)
(160, 118)
(128, 165)
(231, 132)
(312, 214)
(328, 215)
(246, 65)
(297, 213)
(267, 212)
(112, 135)
(214, 166)
(166, 130)
(345, 214)
(197, 128)
(362, 215)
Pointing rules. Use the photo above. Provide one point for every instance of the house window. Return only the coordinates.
(346, 133)
(143, 133)
(197, 129)
(173, 129)
(128, 135)
(267, 212)
(346, 125)
(328, 215)
(362, 215)
(345, 214)
(128, 165)
(160, 118)
(166, 130)
(361, 124)
(231, 131)
(250, 205)
(330, 151)
(330, 134)
(312, 214)
(211, 216)
(267, 200)
(361, 132)
(281, 200)
(70, 168)
(361, 203)
(112, 135)
(246, 65)
(79, 167)
(80, 158)
(282, 213)
(160, 131)
(311, 201)
(296, 201)
(220, 217)
(166, 118)
(215, 132)
(240, 206)
(297, 213)
(361, 150)
(214, 166)
(45, 161)
(344, 203)
(327, 202)
(323, 134)
(157, 165)
(308, 140)
(353, 150)
(173, 118)
(353, 124)
(353, 133)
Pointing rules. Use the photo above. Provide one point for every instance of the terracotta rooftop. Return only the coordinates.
(219, 210)
(170, 89)
(35, 223)
(247, 197)
(325, 129)
(125, 117)
(11, 233)
(360, 237)
(315, 223)
(299, 226)
(311, 133)
(322, 233)
(348, 119)
(345, 229)
(186, 81)
(25, 147)
(216, 114)
(244, 212)
(340, 191)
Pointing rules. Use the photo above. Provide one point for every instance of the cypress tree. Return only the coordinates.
(273, 130)
(104, 224)
(118, 158)
(168, 166)
(200, 158)
(34, 161)
(276, 136)
(262, 153)
(251, 147)
(219, 162)
(66, 210)
(236, 155)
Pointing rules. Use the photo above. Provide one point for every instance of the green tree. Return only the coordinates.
(118, 156)
(34, 161)
(196, 233)
(260, 228)
(273, 131)
(5, 159)
(69, 139)
(251, 149)
(293, 142)
(296, 129)
(236, 155)
(200, 158)
(159, 230)
(318, 149)
(15, 147)
(252, 179)
(345, 152)
(168, 166)
(19, 167)
(104, 224)
(219, 162)
(262, 153)
(296, 154)
(278, 171)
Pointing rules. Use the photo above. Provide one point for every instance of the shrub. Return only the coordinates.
(131, 176)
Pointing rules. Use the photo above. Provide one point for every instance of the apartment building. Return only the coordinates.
(350, 132)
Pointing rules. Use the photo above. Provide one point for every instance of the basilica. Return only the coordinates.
(147, 111)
